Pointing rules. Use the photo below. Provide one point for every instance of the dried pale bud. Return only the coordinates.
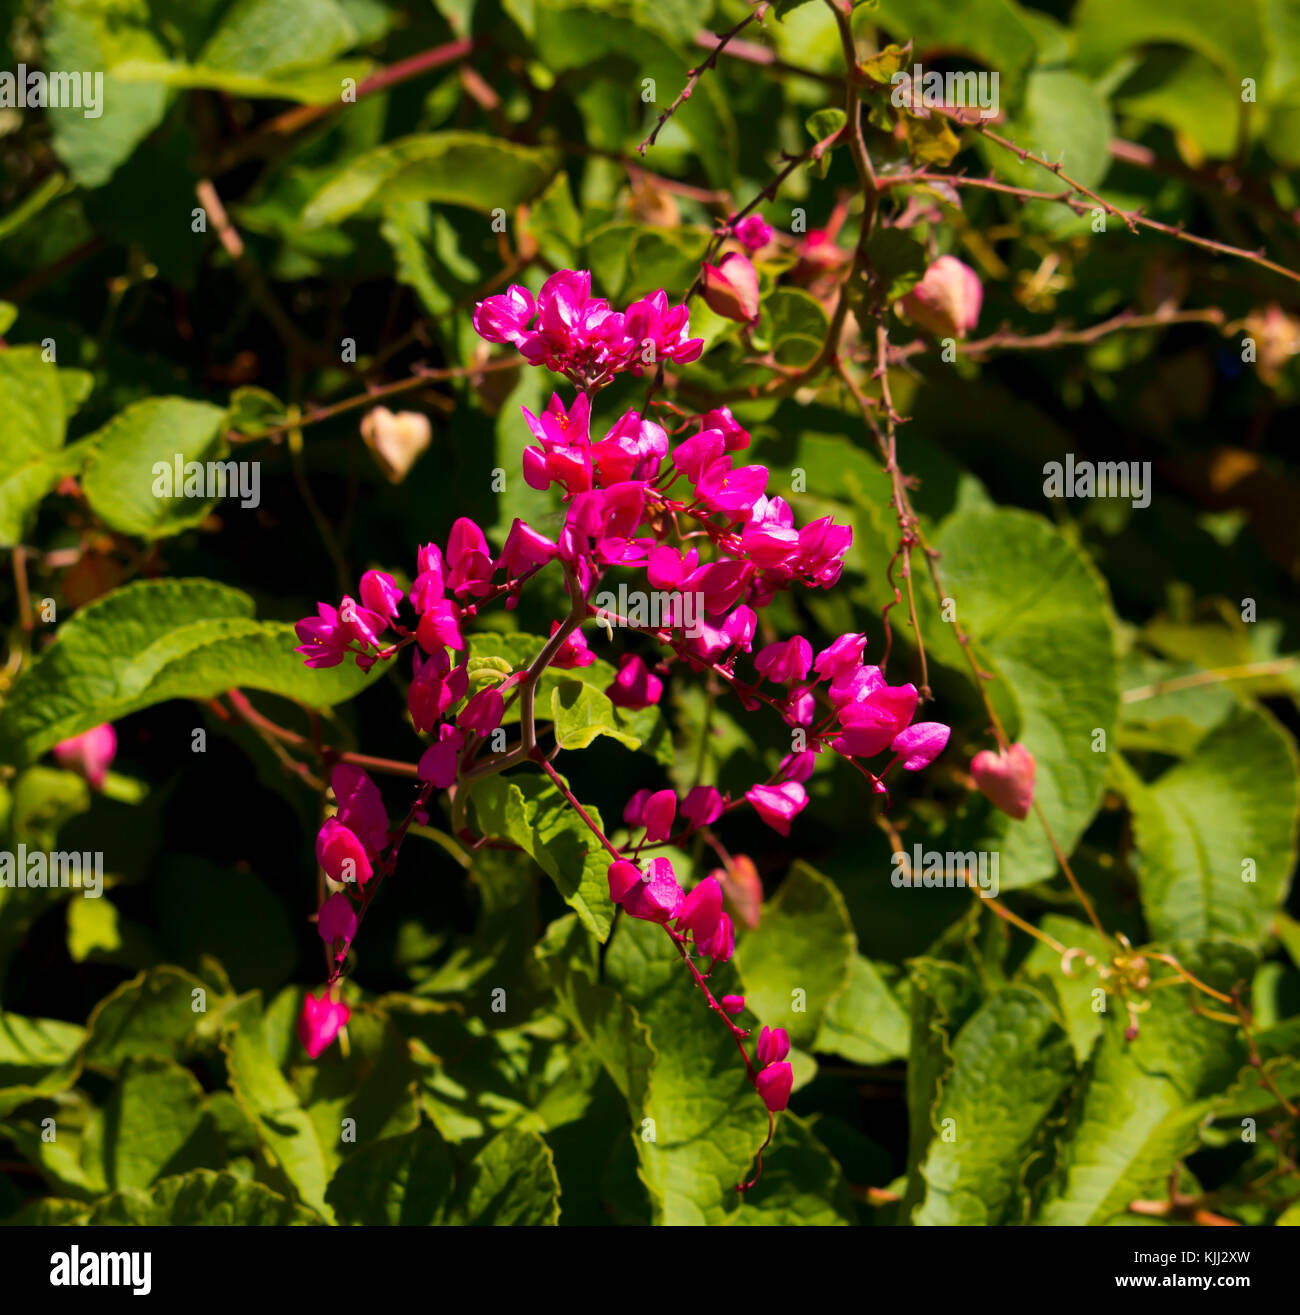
(1277, 340)
(947, 300)
(396, 440)
(731, 288)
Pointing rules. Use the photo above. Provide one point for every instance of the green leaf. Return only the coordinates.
(1230, 36)
(536, 816)
(801, 1184)
(153, 1113)
(994, 32)
(403, 1181)
(98, 35)
(130, 478)
(897, 261)
(701, 1122)
(288, 1135)
(201, 1198)
(152, 641)
(800, 956)
(1216, 834)
(1137, 1112)
(449, 168)
(581, 713)
(865, 1022)
(155, 1015)
(1075, 993)
(1011, 1062)
(275, 36)
(1040, 619)
(794, 324)
(512, 1182)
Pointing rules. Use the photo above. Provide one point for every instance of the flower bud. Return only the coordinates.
(773, 1085)
(773, 1045)
(1006, 779)
(947, 300)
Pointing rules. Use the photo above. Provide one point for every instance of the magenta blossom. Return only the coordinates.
(341, 853)
(320, 1022)
(657, 815)
(702, 805)
(337, 924)
(722, 944)
(920, 744)
(785, 661)
(701, 910)
(90, 754)
(774, 1084)
(635, 686)
(753, 232)
(655, 896)
(778, 805)
(360, 806)
(773, 1046)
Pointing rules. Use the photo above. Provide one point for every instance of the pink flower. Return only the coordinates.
(773, 1084)
(379, 592)
(657, 815)
(635, 686)
(504, 318)
(722, 944)
(439, 762)
(773, 1046)
(340, 852)
(90, 754)
(325, 639)
(918, 746)
(337, 922)
(622, 877)
(1006, 779)
(360, 806)
(439, 627)
(842, 658)
(753, 232)
(785, 661)
(656, 897)
(525, 548)
(483, 713)
(702, 805)
(947, 300)
(320, 1022)
(695, 453)
(740, 626)
(733, 1004)
(574, 652)
(435, 688)
(731, 288)
(701, 910)
(734, 434)
(778, 805)
(876, 714)
(659, 332)
(732, 491)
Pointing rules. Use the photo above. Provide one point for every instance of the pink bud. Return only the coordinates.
(439, 627)
(722, 944)
(1006, 779)
(702, 805)
(785, 661)
(753, 232)
(733, 1004)
(947, 300)
(658, 814)
(90, 753)
(341, 854)
(635, 807)
(731, 288)
(701, 910)
(635, 686)
(778, 805)
(337, 921)
(379, 593)
(320, 1022)
(656, 897)
(483, 713)
(622, 877)
(361, 806)
(773, 1045)
(919, 745)
(773, 1084)
(440, 762)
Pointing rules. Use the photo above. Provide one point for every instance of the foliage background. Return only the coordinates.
(371, 221)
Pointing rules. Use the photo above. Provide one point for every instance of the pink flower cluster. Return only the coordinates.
(653, 895)
(573, 333)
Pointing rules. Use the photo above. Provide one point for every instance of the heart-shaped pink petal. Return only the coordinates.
(1006, 779)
